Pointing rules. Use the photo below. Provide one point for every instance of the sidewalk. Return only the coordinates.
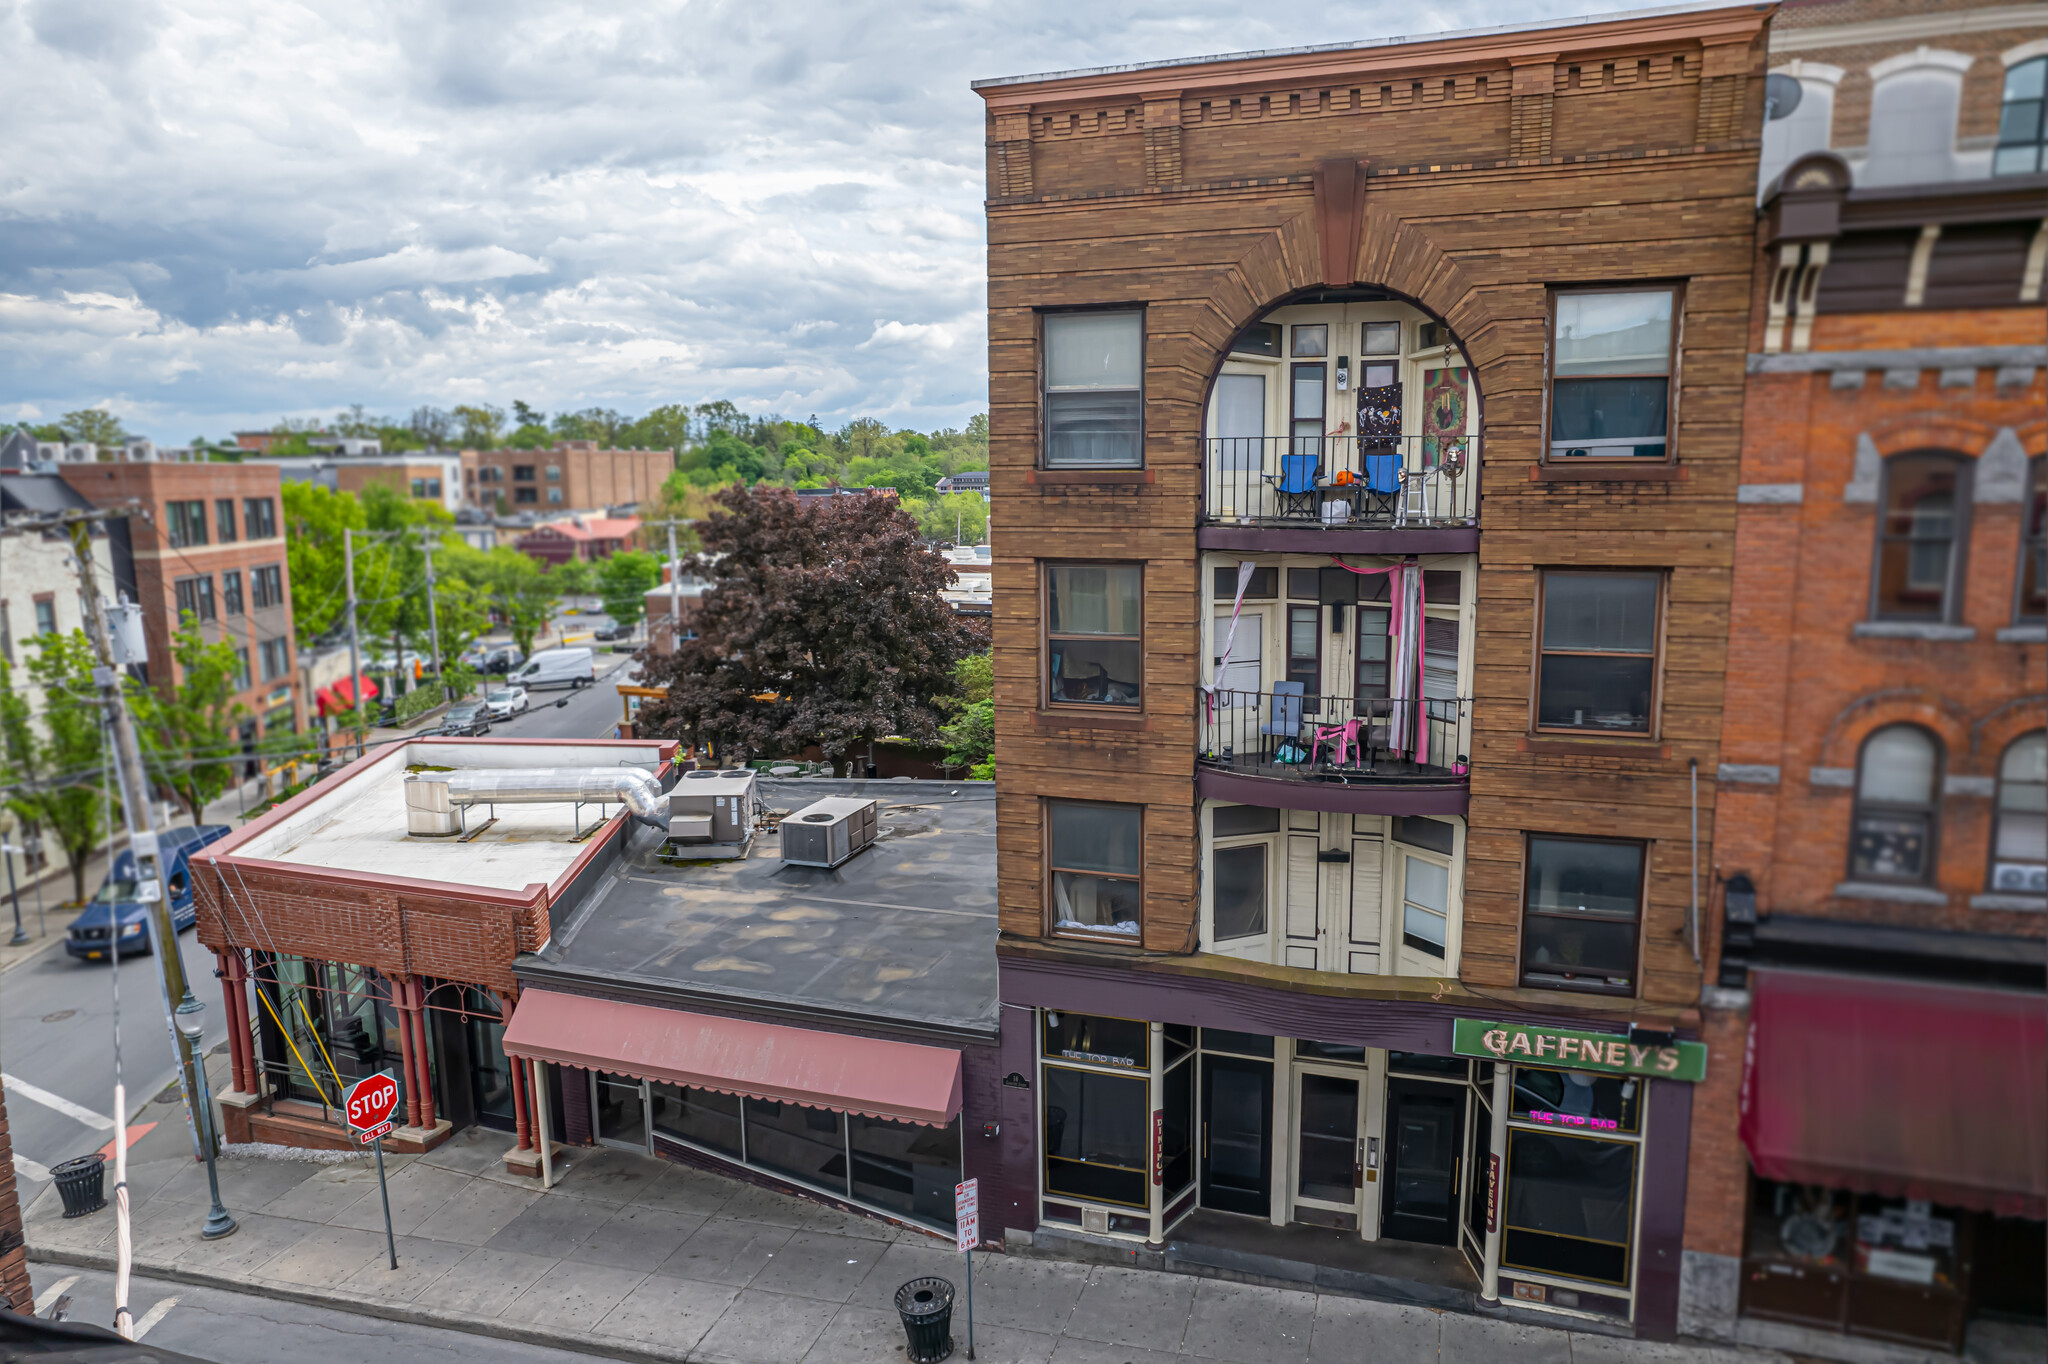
(637, 1258)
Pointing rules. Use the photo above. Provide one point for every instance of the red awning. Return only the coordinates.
(1900, 1088)
(342, 696)
(878, 1079)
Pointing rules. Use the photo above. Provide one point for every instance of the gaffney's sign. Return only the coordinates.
(1602, 1052)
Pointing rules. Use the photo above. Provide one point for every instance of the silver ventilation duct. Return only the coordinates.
(708, 807)
(632, 787)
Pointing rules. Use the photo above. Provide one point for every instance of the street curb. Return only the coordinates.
(434, 1317)
(31, 955)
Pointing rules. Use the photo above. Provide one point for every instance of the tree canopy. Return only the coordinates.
(824, 625)
(623, 581)
(50, 765)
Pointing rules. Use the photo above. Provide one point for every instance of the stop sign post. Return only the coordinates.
(369, 1105)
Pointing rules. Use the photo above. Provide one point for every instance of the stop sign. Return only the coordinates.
(370, 1100)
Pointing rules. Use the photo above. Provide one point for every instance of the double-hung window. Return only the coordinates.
(2033, 602)
(1094, 390)
(266, 586)
(187, 523)
(224, 519)
(1925, 508)
(195, 597)
(231, 591)
(1597, 652)
(1094, 634)
(1095, 864)
(2022, 130)
(277, 658)
(1893, 829)
(2019, 842)
(259, 517)
(1612, 354)
(1241, 850)
(1425, 847)
(1581, 914)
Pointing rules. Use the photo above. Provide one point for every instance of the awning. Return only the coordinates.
(340, 697)
(869, 1076)
(1899, 1088)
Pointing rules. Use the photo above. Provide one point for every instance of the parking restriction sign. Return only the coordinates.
(967, 1214)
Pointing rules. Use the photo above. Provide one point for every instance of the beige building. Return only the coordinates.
(574, 476)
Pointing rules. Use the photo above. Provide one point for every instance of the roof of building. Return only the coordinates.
(39, 494)
(592, 527)
(903, 934)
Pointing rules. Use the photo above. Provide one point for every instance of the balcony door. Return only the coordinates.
(1243, 416)
(1333, 891)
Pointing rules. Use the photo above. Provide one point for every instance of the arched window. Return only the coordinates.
(2019, 119)
(1925, 504)
(1892, 834)
(2033, 602)
(2019, 843)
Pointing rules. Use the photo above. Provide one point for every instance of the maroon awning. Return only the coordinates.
(1901, 1088)
(340, 697)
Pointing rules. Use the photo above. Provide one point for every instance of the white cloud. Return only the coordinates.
(213, 214)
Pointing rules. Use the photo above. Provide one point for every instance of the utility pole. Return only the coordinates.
(675, 593)
(355, 648)
(433, 620)
(136, 811)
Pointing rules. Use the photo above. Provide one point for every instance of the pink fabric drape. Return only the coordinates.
(1404, 667)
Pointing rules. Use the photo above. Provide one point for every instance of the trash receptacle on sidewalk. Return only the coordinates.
(81, 1183)
(926, 1306)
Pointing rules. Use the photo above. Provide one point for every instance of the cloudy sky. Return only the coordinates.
(217, 213)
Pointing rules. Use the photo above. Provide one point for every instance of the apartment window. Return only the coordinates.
(46, 615)
(555, 497)
(1611, 360)
(526, 494)
(277, 658)
(2020, 130)
(1891, 834)
(1582, 914)
(2033, 602)
(242, 679)
(1094, 390)
(1239, 870)
(231, 592)
(426, 487)
(1094, 643)
(1263, 585)
(1261, 338)
(522, 473)
(1924, 508)
(194, 597)
(266, 586)
(554, 473)
(1597, 665)
(1425, 847)
(259, 517)
(188, 523)
(224, 519)
(2019, 843)
(1094, 854)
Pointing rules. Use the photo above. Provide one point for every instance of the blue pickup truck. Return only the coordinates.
(115, 920)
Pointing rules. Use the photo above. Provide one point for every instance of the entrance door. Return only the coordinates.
(1424, 1122)
(1237, 1135)
(621, 1110)
(1328, 1164)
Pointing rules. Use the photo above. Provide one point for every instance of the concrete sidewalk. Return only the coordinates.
(637, 1258)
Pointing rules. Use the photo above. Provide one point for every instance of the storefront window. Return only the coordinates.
(1570, 1205)
(1177, 1130)
(1105, 1041)
(490, 1073)
(698, 1116)
(808, 1144)
(1575, 1100)
(1176, 1040)
(1240, 1043)
(1097, 1136)
(905, 1167)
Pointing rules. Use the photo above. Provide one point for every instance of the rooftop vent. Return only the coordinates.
(828, 832)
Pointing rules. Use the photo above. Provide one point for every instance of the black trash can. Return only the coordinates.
(926, 1306)
(81, 1183)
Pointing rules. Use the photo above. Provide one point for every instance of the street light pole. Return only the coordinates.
(433, 621)
(191, 1018)
(8, 851)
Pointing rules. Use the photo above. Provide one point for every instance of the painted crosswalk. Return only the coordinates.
(76, 1112)
(152, 1317)
(24, 1168)
(54, 1292)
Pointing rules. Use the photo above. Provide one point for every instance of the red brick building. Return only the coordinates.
(587, 538)
(1878, 1168)
(208, 542)
(575, 475)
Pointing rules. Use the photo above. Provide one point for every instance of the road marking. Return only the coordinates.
(53, 1292)
(152, 1317)
(78, 1112)
(24, 1166)
(135, 1133)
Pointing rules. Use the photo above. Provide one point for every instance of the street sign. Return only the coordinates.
(370, 1102)
(382, 1129)
(967, 1214)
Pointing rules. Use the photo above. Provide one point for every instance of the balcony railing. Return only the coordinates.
(1341, 739)
(1373, 482)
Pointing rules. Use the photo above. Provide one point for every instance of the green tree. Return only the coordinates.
(481, 424)
(576, 578)
(91, 424)
(623, 581)
(959, 517)
(186, 729)
(509, 583)
(51, 770)
(970, 737)
(665, 428)
(314, 519)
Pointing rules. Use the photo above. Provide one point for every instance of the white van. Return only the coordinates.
(572, 667)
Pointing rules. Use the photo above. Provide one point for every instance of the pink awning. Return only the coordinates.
(901, 1081)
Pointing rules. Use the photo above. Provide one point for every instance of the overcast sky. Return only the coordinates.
(217, 214)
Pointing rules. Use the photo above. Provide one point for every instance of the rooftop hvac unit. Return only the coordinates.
(827, 833)
(712, 807)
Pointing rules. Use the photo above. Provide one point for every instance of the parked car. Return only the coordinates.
(611, 629)
(465, 718)
(502, 703)
(571, 667)
(503, 659)
(116, 919)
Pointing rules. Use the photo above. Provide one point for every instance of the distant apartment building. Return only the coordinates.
(588, 538)
(1876, 1169)
(423, 475)
(263, 442)
(208, 543)
(575, 475)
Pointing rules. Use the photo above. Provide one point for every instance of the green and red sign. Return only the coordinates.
(1605, 1053)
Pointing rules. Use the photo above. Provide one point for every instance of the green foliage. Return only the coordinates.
(971, 737)
(51, 770)
(959, 517)
(91, 424)
(314, 520)
(186, 729)
(576, 578)
(481, 425)
(507, 582)
(975, 675)
(623, 581)
(417, 702)
(665, 428)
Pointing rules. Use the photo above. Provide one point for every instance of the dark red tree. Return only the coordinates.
(824, 626)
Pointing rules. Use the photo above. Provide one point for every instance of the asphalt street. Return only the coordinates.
(592, 713)
(241, 1328)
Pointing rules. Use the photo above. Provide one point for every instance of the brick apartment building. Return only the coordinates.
(423, 475)
(1879, 1170)
(575, 475)
(1365, 419)
(207, 540)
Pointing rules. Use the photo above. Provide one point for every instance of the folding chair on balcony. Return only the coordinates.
(1382, 479)
(1298, 485)
(1283, 722)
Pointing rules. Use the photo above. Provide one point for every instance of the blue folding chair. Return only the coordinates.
(1382, 482)
(1297, 485)
(1283, 719)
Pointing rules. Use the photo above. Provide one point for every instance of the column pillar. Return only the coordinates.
(401, 1000)
(424, 1059)
(521, 1104)
(238, 1037)
(1497, 1174)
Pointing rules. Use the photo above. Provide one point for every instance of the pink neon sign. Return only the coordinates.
(1574, 1120)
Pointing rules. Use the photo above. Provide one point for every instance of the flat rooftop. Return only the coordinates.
(359, 824)
(905, 932)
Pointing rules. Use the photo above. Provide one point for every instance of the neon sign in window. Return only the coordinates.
(1587, 1121)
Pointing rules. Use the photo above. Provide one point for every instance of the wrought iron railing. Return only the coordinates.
(1383, 482)
(1344, 739)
